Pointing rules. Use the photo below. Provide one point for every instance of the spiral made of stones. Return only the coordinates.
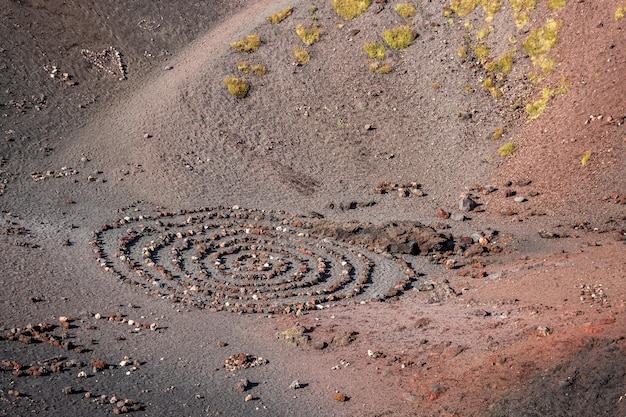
(244, 260)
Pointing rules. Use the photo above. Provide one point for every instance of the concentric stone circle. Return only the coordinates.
(244, 260)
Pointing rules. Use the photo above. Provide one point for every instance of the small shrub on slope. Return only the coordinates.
(250, 43)
(399, 38)
(349, 9)
(238, 87)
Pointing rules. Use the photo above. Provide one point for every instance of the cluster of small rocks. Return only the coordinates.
(42, 333)
(3, 176)
(593, 294)
(121, 406)
(469, 201)
(242, 361)
(412, 189)
(63, 172)
(248, 261)
(19, 370)
(135, 324)
(56, 74)
(615, 199)
(609, 120)
(109, 61)
(24, 104)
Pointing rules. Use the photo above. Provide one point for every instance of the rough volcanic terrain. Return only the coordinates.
(439, 232)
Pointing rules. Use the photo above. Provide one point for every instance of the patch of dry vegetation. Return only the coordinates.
(302, 55)
(250, 43)
(584, 160)
(400, 37)
(247, 68)
(540, 42)
(350, 9)
(461, 7)
(497, 134)
(309, 35)
(375, 50)
(536, 108)
(507, 150)
(276, 18)
(238, 87)
(521, 9)
(405, 10)
(556, 4)
(379, 68)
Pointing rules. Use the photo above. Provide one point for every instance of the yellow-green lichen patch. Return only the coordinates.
(301, 55)
(484, 32)
(309, 35)
(375, 50)
(536, 108)
(522, 8)
(507, 150)
(523, 5)
(276, 18)
(250, 43)
(541, 40)
(379, 68)
(349, 9)
(556, 4)
(491, 7)
(399, 38)
(546, 64)
(256, 69)
(259, 69)
(462, 51)
(584, 160)
(620, 12)
(463, 7)
(238, 87)
(482, 52)
(505, 63)
(535, 79)
(490, 85)
(243, 66)
(405, 10)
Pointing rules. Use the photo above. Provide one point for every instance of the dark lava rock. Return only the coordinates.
(467, 204)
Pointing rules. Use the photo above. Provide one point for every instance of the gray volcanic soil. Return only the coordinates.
(523, 325)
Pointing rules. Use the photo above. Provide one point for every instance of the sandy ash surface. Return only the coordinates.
(155, 228)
